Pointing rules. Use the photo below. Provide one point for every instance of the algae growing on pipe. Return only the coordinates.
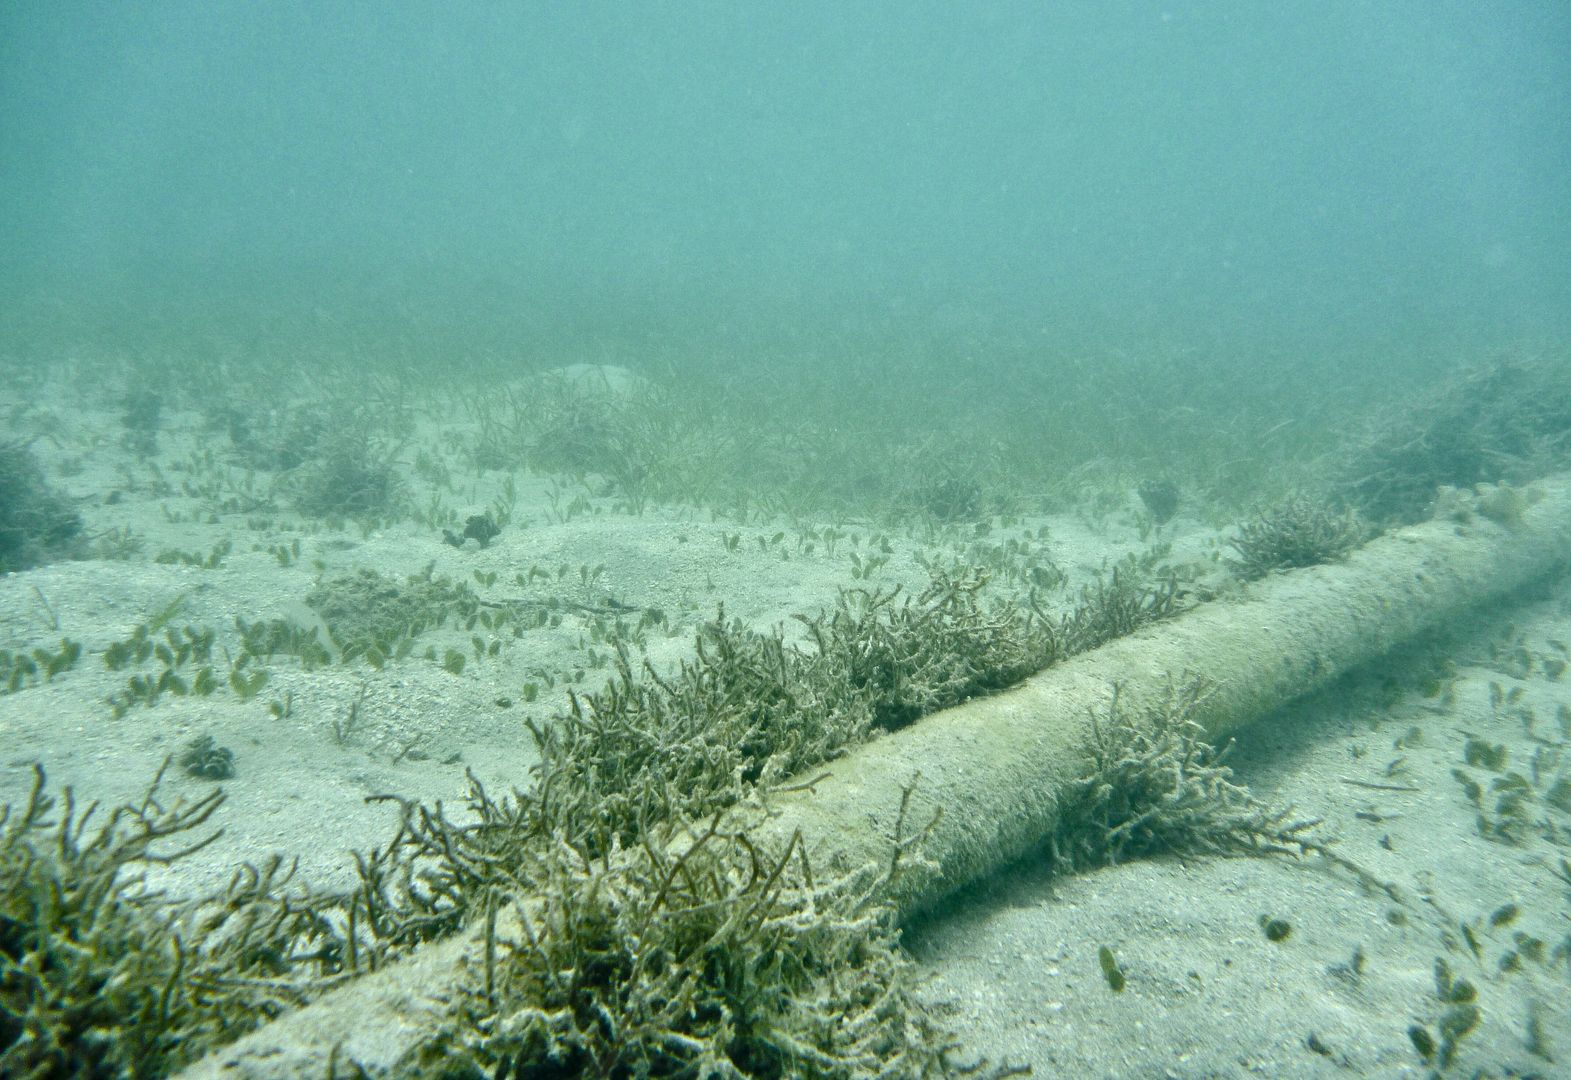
(997, 765)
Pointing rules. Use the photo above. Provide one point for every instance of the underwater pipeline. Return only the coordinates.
(995, 765)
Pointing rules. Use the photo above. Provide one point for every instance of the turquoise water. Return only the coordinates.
(1216, 175)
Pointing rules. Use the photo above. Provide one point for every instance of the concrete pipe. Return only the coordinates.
(996, 765)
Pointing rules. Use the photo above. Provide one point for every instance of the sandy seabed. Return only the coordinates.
(1382, 759)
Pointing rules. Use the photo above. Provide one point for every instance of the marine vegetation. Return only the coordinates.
(274, 440)
(625, 434)
(926, 653)
(752, 711)
(1297, 533)
(1160, 498)
(946, 499)
(351, 474)
(481, 528)
(1507, 422)
(631, 926)
(1155, 785)
(101, 975)
(202, 757)
(371, 612)
(36, 523)
(142, 418)
(695, 955)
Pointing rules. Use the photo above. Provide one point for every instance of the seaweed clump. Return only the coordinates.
(1509, 422)
(929, 652)
(703, 957)
(142, 418)
(349, 471)
(279, 439)
(102, 976)
(947, 499)
(1155, 785)
(1297, 533)
(608, 421)
(946, 646)
(752, 711)
(676, 953)
(749, 712)
(36, 523)
(481, 528)
(368, 612)
(1160, 499)
(206, 760)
